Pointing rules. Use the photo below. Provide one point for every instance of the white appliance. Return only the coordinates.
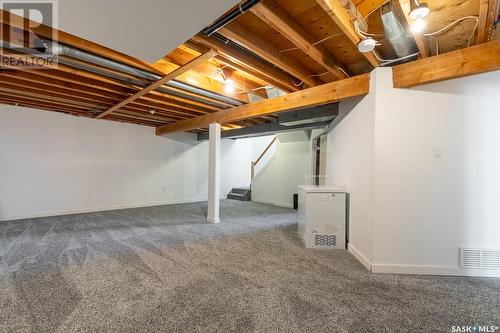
(322, 217)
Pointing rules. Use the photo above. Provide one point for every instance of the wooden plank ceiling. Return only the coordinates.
(289, 45)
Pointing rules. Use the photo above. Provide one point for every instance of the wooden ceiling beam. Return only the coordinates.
(192, 64)
(339, 15)
(42, 106)
(48, 93)
(366, 7)
(43, 79)
(403, 6)
(473, 60)
(209, 74)
(280, 20)
(264, 49)
(323, 94)
(202, 79)
(24, 99)
(488, 10)
(127, 89)
(31, 87)
(238, 59)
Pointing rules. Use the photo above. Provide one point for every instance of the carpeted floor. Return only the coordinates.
(163, 269)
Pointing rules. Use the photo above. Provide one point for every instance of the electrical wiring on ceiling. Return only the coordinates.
(363, 19)
(388, 61)
(316, 75)
(314, 44)
(451, 25)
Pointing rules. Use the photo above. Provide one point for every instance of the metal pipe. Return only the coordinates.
(229, 16)
(395, 33)
(62, 49)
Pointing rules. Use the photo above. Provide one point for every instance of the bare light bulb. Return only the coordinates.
(229, 86)
(419, 11)
(418, 26)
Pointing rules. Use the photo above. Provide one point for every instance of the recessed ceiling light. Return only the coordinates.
(418, 10)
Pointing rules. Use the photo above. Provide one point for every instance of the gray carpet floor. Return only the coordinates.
(163, 269)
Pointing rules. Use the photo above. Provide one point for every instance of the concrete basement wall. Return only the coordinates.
(421, 165)
(53, 164)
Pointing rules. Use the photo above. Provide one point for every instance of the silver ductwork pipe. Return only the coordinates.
(71, 52)
(396, 35)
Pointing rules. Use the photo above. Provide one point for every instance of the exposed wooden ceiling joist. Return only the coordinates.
(488, 10)
(208, 75)
(473, 60)
(365, 7)
(404, 7)
(340, 16)
(322, 94)
(192, 64)
(241, 35)
(245, 62)
(277, 17)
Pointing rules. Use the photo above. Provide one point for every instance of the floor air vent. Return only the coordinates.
(480, 258)
(325, 240)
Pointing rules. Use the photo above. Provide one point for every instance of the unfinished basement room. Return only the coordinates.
(250, 166)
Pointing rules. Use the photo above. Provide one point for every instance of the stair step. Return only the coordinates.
(236, 196)
(242, 194)
(240, 190)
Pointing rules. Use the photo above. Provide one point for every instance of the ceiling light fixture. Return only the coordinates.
(418, 26)
(229, 86)
(367, 45)
(418, 10)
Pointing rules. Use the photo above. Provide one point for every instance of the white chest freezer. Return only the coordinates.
(322, 217)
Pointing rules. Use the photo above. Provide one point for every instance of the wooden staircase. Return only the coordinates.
(245, 193)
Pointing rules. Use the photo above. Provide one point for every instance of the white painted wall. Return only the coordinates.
(436, 172)
(350, 162)
(55, 164)
(426, 161)
(258, 146)
(278, 180)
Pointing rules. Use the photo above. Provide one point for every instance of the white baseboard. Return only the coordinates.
(275, 203)
(98, 209)
(360, 257)
(433, 270)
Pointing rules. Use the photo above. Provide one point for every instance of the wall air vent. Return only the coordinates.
(325, 240)
(479, 258)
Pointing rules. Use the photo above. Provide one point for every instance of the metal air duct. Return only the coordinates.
(395, 33)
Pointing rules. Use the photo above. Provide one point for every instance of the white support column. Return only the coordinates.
(213, 173)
